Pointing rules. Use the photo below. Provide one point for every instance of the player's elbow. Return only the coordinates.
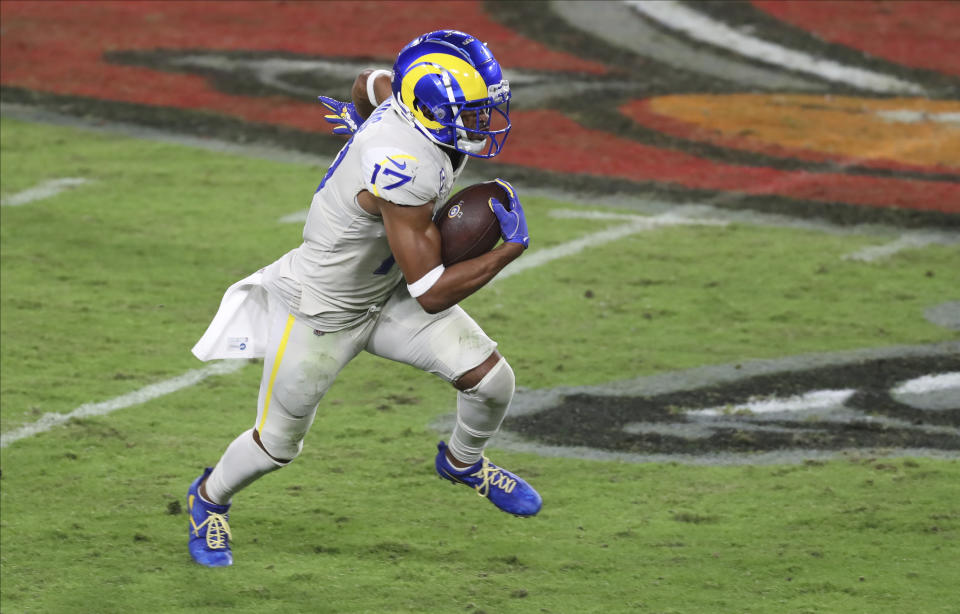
(432, 294)
(432, 303)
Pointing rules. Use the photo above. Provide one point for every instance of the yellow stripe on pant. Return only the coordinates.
(273, 372)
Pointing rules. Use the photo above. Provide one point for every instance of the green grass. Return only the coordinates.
(106, 287)
(684, 297)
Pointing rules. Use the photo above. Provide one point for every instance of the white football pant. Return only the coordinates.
(301, 365)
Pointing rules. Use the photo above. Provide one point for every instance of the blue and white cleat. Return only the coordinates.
(504, 489)
(209, 531)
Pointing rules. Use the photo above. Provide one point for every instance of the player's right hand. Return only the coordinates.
(513, 223)
(344, 116)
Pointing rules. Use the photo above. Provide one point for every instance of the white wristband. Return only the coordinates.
(371, 94)
(426, 282)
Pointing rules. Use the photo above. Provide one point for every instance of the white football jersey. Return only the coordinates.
(344, 269)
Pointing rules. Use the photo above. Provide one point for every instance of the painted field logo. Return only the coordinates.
(903, 401)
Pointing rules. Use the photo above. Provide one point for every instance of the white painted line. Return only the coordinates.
(298, 217)
(664, 219)
(909, 240)
(638, 223)
(48, 188)
(909, 116)
(818, 399)
(147, 393)
(543, 256)
(677, 16)
(930, 383)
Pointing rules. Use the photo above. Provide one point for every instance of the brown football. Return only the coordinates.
(468, 227)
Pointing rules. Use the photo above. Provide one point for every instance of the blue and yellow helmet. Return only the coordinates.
(451, 88)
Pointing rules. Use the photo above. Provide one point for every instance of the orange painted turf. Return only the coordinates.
(905, 133)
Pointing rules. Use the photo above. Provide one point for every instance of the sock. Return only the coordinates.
(208, 501)
(453, 467)
(242, 464)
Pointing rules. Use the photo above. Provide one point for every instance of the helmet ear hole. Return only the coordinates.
(426, 110)
(431, 113)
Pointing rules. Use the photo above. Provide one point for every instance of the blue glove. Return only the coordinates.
(513, 224)
(345, 118)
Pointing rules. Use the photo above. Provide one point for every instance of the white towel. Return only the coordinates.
(239, 330)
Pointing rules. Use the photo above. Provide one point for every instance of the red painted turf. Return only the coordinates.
(917, 34)
(639, 162)
(58, 47)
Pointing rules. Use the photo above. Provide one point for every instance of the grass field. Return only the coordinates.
(107, 286)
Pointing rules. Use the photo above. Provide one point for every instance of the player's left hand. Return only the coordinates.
(513, 223)
(344, 116)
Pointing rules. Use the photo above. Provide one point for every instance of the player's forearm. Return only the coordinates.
(464, 278)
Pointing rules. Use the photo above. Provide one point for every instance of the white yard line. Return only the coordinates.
(679, 17)
(297, 217)
(909, 116)
(908, 240)
(48, 188)
(147, 393)
(635, 224)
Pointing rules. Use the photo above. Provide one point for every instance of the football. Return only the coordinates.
(468, 226)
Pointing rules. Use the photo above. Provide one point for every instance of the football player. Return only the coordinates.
(369, 277)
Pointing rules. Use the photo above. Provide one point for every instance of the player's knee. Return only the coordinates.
(297, 394)
(472, 378)
(281, 447)
(497, 385)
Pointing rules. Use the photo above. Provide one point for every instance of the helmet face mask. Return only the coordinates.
(453, 92)
(480, 129)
